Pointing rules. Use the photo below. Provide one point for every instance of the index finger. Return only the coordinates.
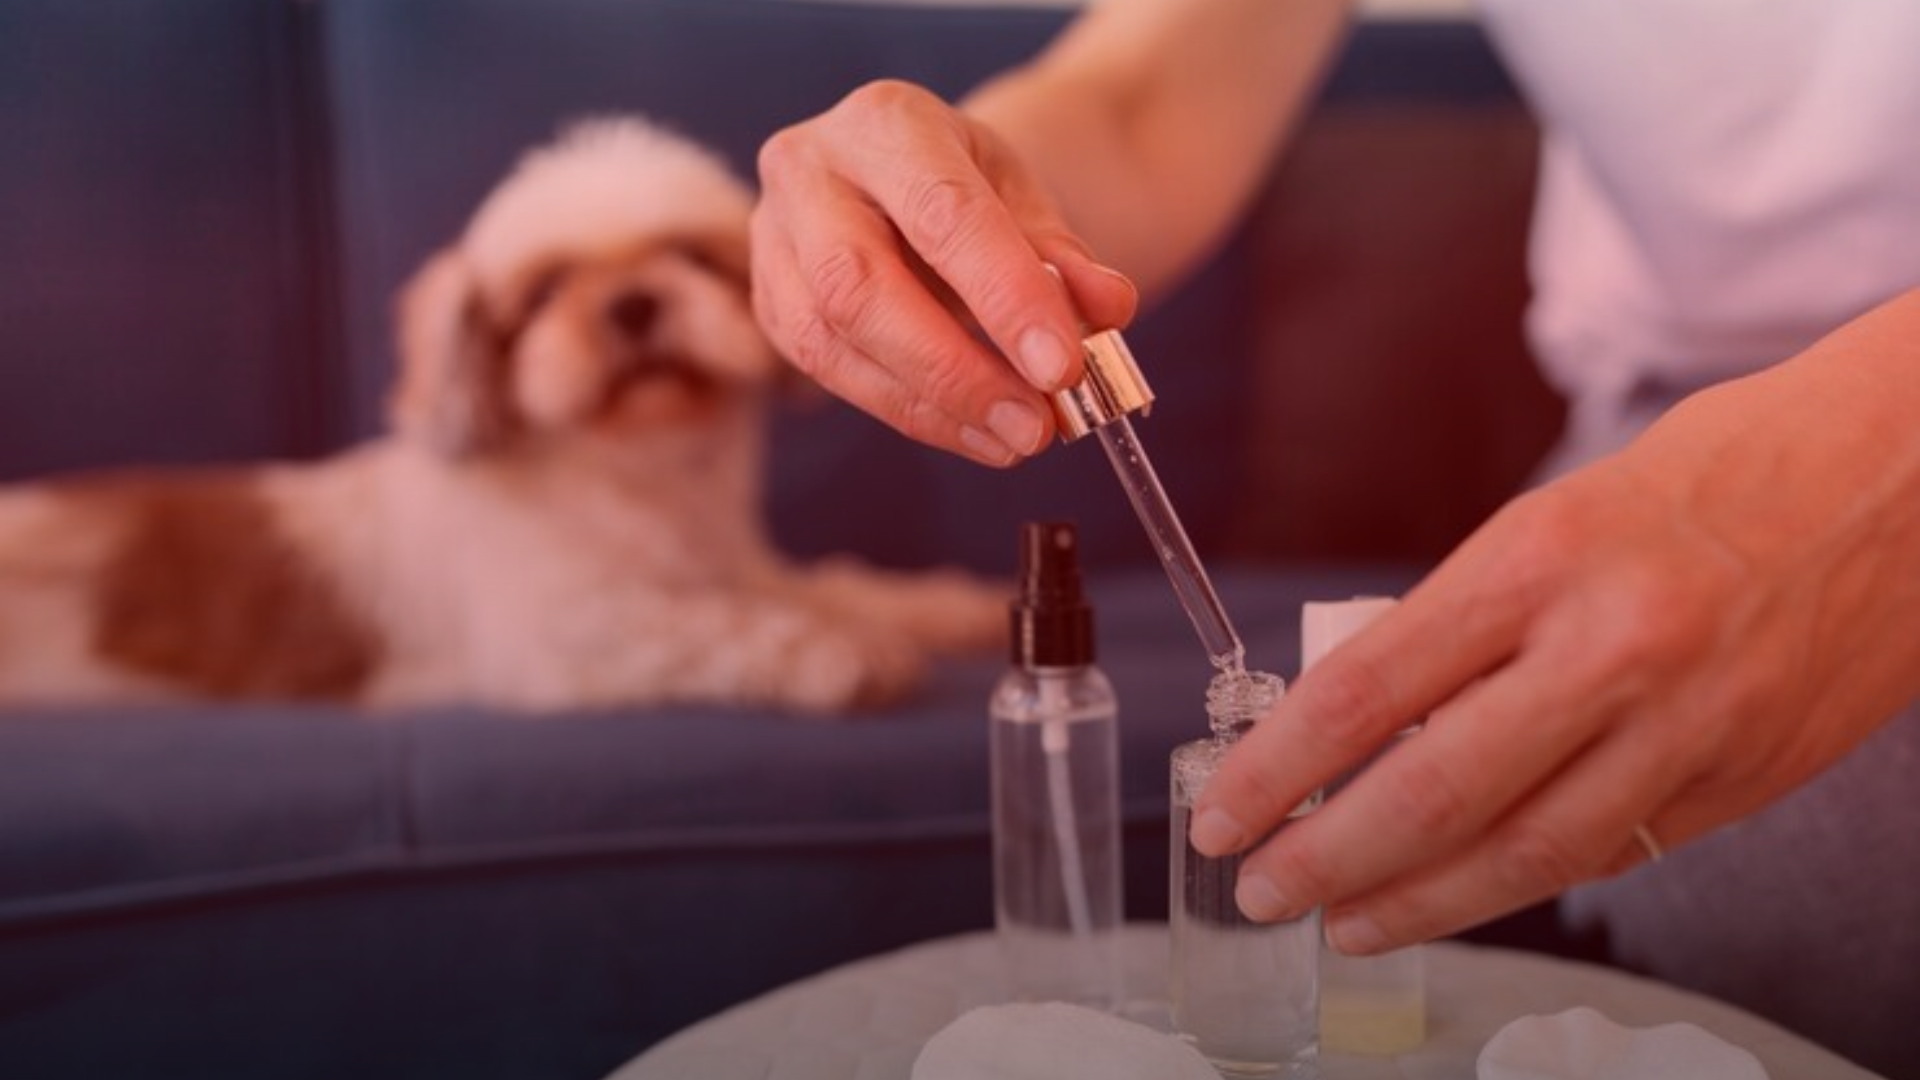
(1400, 668)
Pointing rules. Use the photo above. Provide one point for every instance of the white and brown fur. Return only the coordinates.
(566, 514)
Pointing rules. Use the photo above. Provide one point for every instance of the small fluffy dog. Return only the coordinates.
(567, 513)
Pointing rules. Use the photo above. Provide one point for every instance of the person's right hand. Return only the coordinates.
(893, 233)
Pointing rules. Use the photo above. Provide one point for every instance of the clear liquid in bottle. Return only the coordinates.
(1245, 994)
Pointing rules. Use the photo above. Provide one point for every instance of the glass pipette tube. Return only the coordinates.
(1170, 542)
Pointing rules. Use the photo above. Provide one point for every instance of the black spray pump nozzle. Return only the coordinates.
(1052, 623)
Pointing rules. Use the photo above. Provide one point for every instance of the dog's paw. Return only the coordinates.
(941, 610)
(809, 661)
(950, 611)
(841, 670)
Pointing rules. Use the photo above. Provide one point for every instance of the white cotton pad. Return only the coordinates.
(1584, 1044)
(1055, 1041)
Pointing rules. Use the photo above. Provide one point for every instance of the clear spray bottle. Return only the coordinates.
(1056, 792)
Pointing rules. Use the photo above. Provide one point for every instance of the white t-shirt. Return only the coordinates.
(1722, 182)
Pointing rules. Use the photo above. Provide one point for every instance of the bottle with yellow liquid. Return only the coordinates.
(1372, 1005)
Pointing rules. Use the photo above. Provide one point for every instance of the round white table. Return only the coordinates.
(868, 1020)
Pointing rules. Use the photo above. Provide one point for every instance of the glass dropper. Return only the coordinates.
(1189, 577)
(1112, 389)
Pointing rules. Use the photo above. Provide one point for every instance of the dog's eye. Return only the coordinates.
(719, 259)
(540, 290)
(633, 313)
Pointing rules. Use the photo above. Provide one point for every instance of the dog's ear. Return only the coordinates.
(727, 256)
(452, 391)
(723, 253)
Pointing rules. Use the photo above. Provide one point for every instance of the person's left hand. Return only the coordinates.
(1667, 640)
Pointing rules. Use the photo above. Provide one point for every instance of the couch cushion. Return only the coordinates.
(125, 810)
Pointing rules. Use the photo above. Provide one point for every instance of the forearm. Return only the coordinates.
(1154, 121)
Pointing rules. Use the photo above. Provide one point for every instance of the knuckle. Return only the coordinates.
(1650, 621)
(998, 301)
(1427, 798)
(1645, 617)
(939, 213)
(779, 155)
(923, 419)
(1348, 698)
(1538, 860)
(946, 377)
(845, 286)
(1540, 532)
(885, 97)
(815, 348)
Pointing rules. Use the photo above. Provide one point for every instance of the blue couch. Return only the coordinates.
(206, 207)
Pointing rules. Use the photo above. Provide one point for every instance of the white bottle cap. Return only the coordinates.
(1325, 624)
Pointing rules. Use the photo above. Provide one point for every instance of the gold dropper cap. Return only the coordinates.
(1111, 388)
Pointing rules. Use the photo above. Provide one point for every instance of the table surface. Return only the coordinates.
(868, 1020)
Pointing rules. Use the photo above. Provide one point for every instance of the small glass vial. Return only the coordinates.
(1369, 1005)
(1245, 994)
(1056, 790)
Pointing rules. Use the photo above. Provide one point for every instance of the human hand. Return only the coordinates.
(890, 225)
(1670, 639)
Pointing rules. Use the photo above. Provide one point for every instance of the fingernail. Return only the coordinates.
(986, 447)
(1017, 425)
(1045, 357)
(1216, 832)
(1260, 900)
(1353, 934)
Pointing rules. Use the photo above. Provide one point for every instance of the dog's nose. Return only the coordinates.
(633, 313)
